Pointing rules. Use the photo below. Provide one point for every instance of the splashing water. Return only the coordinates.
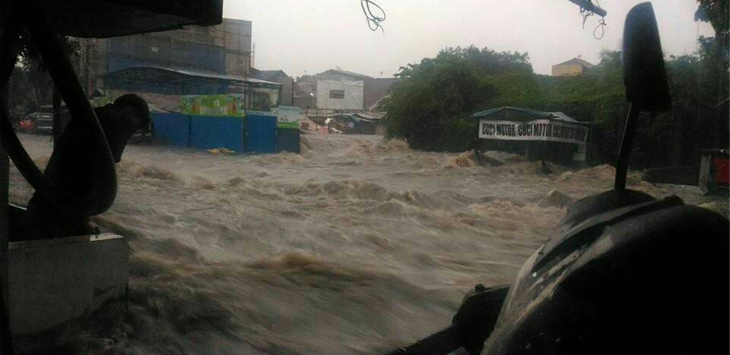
(354, 246)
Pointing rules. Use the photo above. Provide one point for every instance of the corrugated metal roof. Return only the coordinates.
(268, 74)
(370, 115)
(523, 114)
(175, 76)
(348, 73)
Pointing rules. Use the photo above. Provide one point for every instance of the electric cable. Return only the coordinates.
(601, 23)
(371, 17)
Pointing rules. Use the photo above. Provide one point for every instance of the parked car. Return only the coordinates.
(43, 123)
(37, 122)
(26, 125)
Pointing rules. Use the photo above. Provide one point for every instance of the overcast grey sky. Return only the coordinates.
(316, 35)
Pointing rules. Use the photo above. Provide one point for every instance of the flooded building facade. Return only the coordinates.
(223, 49)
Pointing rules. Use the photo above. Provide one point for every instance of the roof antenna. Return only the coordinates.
(645, 79)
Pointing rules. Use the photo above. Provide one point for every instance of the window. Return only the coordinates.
(337, 94)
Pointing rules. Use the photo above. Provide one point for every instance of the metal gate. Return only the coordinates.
(260, 134)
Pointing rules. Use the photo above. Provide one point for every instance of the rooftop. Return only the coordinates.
(346, 73)
(176, 76)
(577, 61)
(523, 114)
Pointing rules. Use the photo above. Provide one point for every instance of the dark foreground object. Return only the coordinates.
(622, 273)
(646, 277)
(57, 285)
(69, 167)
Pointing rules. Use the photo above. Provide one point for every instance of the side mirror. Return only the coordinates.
(645, 78)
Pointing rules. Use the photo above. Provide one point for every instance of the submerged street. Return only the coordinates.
(355, 246)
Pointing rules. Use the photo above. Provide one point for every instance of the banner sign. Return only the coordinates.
(214, 105)
(287, 116)
(538, 130)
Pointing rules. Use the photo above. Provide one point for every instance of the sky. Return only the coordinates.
(311, 36)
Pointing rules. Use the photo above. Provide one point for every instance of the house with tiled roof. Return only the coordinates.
(574, 67)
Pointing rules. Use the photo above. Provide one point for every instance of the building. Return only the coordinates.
(278, 76)
(340, 90)
(223, 49)
(375, 90)
(574, 67)
(358, 123)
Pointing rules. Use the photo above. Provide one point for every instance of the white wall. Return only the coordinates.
(353, 100)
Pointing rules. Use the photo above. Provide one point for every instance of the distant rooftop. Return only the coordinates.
(577, 61)
(165, 75)
(346, 73)
(523, 114)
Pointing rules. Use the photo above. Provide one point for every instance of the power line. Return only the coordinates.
(371, 17)
(587, 9)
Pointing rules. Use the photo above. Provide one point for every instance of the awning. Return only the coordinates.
(523, 114)
(519, 124)
(360, 117)
(112, 18)
(170, 76)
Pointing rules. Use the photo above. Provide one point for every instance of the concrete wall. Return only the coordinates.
(376, 88)
(352, 98)
(55, 281)
(287, 89)
(305, 103)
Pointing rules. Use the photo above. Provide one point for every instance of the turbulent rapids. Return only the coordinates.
(353, 247)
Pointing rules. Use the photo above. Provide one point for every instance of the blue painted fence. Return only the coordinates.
(208, 132)
(256, 133)
(171, 129)
(260, 133)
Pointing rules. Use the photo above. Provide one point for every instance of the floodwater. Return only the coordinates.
(356, 246)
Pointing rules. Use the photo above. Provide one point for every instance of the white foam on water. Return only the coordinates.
(358, 245)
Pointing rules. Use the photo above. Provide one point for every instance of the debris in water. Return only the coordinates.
(216, 151)
(719, 207)
(555, 198)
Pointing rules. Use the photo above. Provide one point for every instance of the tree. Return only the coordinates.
(30, 86)
(716, 13)
(438, 95)
(431, 105)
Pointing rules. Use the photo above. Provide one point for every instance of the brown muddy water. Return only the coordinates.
(356, 246)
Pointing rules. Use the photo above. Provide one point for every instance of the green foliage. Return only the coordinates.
(28, 89)
(435, 92)
(30, 85)
(431, 105)
(716, 13)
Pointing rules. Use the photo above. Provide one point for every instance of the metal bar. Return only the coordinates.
(5, 335)
(588, 6)
(622, 163)
(8, 58)
(56, 100)
(64, 76)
